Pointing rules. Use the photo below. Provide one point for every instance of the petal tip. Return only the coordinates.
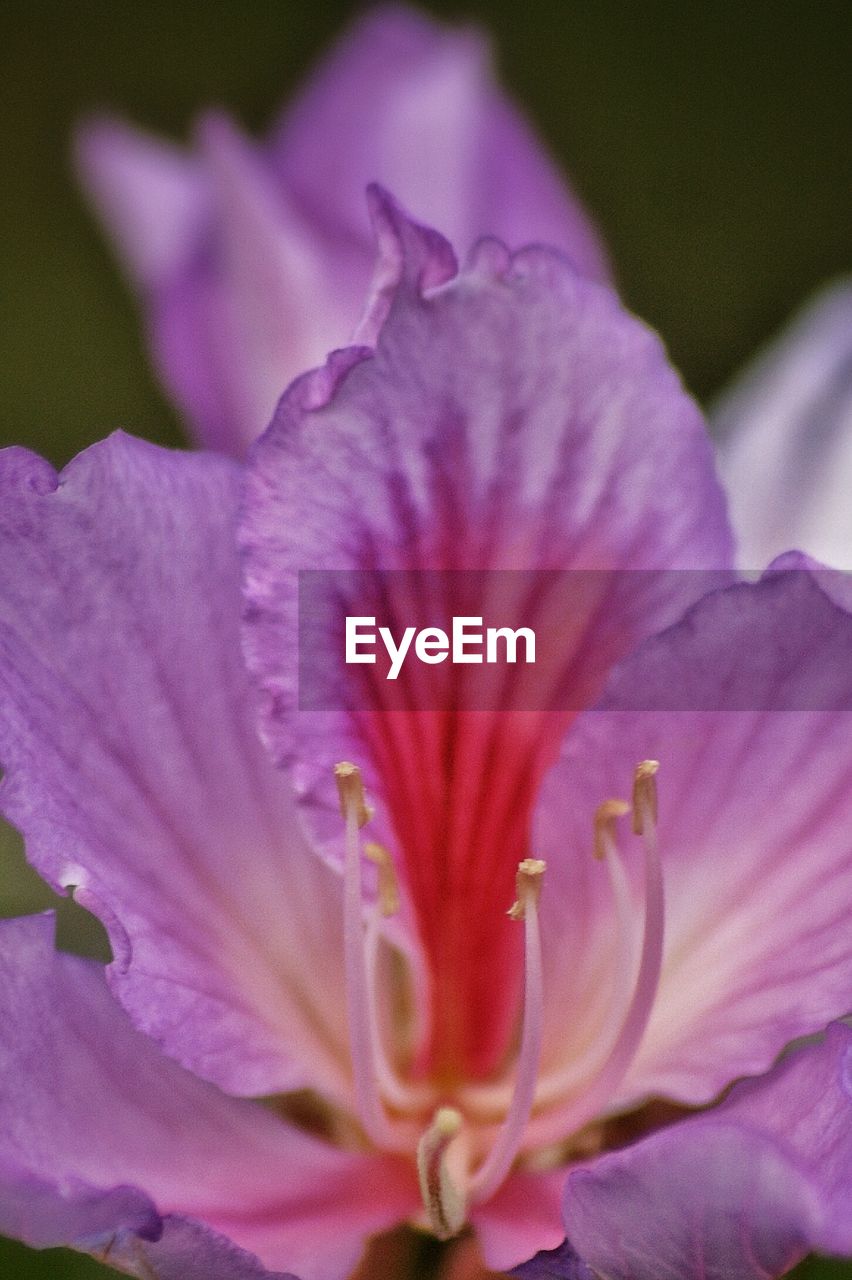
(407, 254)
(421, 255)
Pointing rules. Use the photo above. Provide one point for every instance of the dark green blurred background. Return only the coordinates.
(710, 140)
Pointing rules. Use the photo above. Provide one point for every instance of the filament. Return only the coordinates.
(567, 1078)
(498, 1162)
(594, 1098)
(360, 1005)
(401, 1097)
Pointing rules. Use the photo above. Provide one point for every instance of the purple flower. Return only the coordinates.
(253, 260)
(424, 1057)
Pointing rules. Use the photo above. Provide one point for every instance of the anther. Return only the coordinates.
(644, 794)
(606, 816)
(527, 886)
(388, 887)
(443, 1195)
(350, 787)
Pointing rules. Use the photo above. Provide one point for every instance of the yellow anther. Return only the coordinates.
(388, 887)
(644, 794)
(527, 886)
(606, 816)
(350, 788)
(444, 1197)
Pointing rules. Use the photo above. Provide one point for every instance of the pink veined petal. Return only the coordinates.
(512, 418)
(253, 261)
(755, 786)
(88, 1102)
(742, 1192)
(133, 768)
(785, 432)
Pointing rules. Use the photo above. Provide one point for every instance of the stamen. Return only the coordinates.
(606, 847)
(498, 1162)
(388, 887)
(404, 1097)
(598, 1093)
(562, 1082)
(359, 1003)
(443, 1195)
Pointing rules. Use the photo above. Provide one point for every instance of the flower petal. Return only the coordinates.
(254, 261)
(740, 1193)
(523, 1215)
(46, 1216)
(151, 196)
(185, 1251)
(133, 766)
(259, 300)
(755, 786)
(513, 418)
(562, 1263)
(785, 431)
(91, 1109)
(431, 124)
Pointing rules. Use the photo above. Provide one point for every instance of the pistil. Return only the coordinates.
(444, 1197)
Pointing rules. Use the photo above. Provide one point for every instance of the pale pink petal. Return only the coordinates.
(785, 439)
(747, 705)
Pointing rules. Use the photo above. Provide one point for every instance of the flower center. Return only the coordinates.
(470, 1144)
